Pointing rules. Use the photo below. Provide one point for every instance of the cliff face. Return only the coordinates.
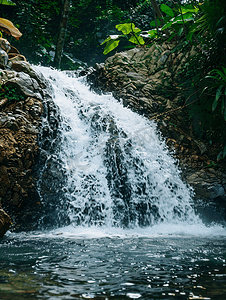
(146, 80)
(21, 107)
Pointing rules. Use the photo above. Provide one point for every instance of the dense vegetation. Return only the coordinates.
(192, 23)
(90, 21)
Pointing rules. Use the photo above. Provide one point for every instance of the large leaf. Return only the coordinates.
(154, 24)
(137, 40)
(7, 2)
(167, 10)
(186, 9)
(126, 28)
(168, 24)
(183, 19)
(179, 20)
(111, 37)
(111, 45)
(8, 27)
(136, 30)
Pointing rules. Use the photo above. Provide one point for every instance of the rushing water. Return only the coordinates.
(133, 233)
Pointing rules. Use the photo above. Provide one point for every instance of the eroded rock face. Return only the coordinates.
(27, 124)
(139, 76)
(146, 80)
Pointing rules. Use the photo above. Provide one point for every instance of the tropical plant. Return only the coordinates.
(129, 31)
(218, 84)
(175, 22)
(7, 2)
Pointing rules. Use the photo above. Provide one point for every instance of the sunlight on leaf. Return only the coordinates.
(137, 40)
(125, 28)
(153, 33)
(7, 2)
(111, 45)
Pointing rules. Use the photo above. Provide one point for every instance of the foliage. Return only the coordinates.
(176, 20)
(129, 31)
(89, 22)
(38, 21)
(11, 93)
(7, 2)
(219, 86)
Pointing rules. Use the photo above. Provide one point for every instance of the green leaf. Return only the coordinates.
(214, 105)
(153, 33)
(189, 36)
(137, 40)
(7, 2)
(167, 10)
(180, 31)
(126, 28)
(111, 45)
(172, 36)
(105, 41)
(192, 10)
(224, 69)
(218, 92)
(183, 19)
(168, 24)
(220, 73)
(224, 152)
(111, 37)
(136, 30)
(154, 24)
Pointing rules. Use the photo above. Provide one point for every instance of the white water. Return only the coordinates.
(119, 170)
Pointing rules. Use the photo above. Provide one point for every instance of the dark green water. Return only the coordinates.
(112, 266)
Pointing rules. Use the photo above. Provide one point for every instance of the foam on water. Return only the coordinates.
(120, 173)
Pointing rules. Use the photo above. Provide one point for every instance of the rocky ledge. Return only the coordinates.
(24, 99)
(146, 80)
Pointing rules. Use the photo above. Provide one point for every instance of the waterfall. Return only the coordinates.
(118, 169)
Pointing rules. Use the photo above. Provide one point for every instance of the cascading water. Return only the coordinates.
(101, 164)
(118, 170)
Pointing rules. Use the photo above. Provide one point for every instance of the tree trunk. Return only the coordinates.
(157, 11)
(159, 15)
(62, 33)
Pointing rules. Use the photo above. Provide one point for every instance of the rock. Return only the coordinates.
(27, 85)
(21, 66)
(5, 222)
(144, 80)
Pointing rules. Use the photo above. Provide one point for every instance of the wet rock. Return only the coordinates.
(23, 124)
(5, 222)
(27, 85)
(145, 80)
